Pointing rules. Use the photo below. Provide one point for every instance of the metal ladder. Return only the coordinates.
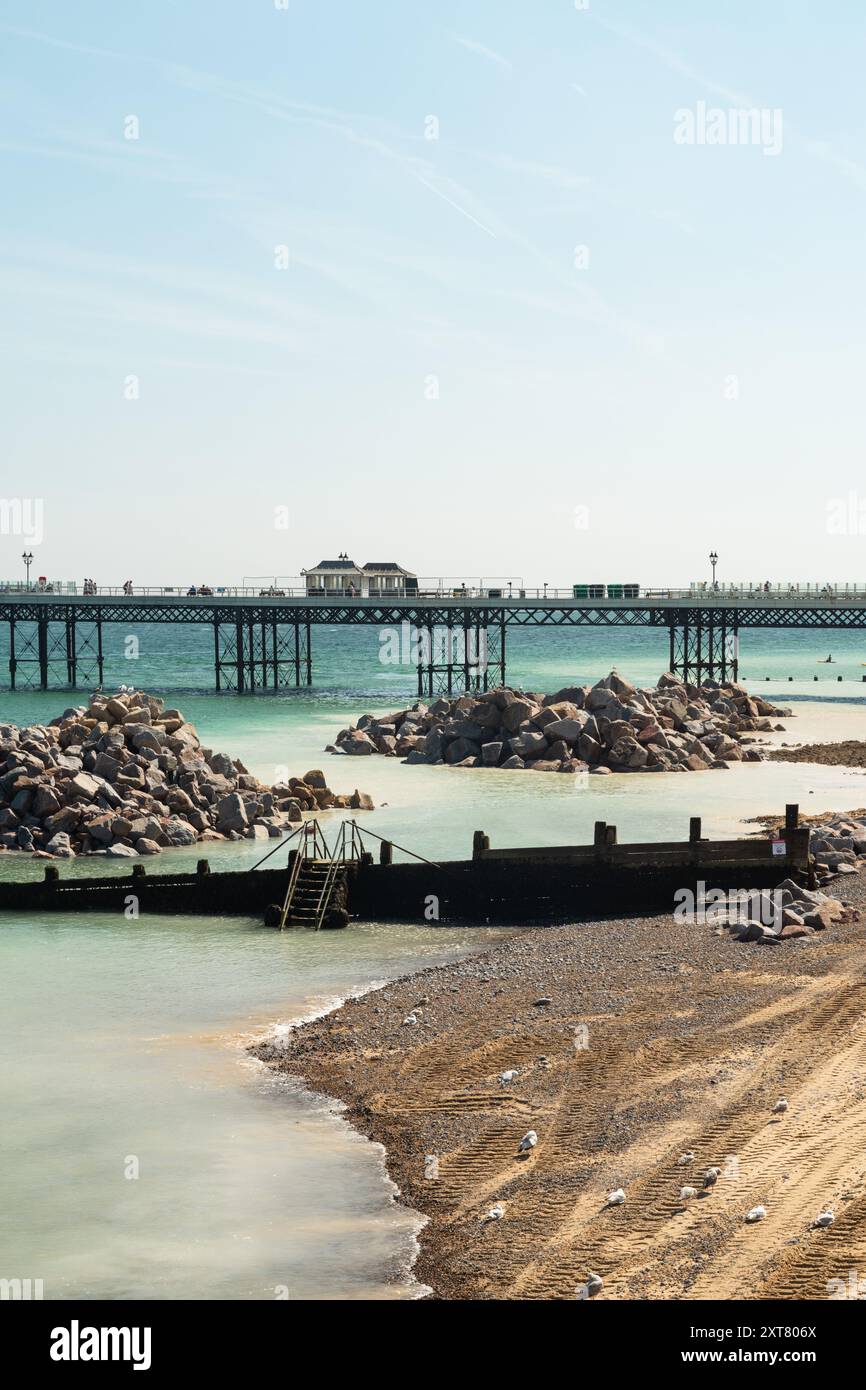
(316, 874)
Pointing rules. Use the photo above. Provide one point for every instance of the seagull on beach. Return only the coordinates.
(686, 1193)
(615, 1198)
(780, 1107)
(756, 1214)
(506, 1076)
(825, 1218)
(594, 1284)
(529, 1141)
(685, 1158)
(495, 1213)
(711, 1177)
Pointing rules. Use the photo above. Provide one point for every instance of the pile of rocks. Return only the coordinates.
(123, 776)
(608, 727)
(788, 913)
(838, 846)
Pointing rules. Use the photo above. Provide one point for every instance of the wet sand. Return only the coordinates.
(849, 753)
(658, 1039)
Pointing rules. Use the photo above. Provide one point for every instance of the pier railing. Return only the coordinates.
(705, 594)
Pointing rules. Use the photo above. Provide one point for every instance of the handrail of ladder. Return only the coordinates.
(309, 831)
(336, 860)
(300, 855)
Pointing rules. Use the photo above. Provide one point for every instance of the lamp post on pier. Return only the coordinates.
(714, 560)
(27, 557)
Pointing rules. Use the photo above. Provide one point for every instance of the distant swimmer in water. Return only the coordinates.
(825, 661)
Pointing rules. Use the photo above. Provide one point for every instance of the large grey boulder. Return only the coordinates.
(60, 845)
(434, 745)
(514, 715)
(177, 832)
(231, 814)
(106, 766)
(358, 743)
(460, 748)
(84, 787)
(568, 729)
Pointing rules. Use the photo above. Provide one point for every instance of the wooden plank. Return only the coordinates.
(687, 852)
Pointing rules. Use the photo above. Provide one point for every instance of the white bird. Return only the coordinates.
(410, 1018)
(756, 1214)
(686, 1158)
(826, 1218)
(495, 1213)
(687, 1192)
(781, 1106)
(711, 1177)
(615, 1198)
(506, 1076)
(594, 1284)
(529, 1141)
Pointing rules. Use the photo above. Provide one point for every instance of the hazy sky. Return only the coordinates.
(434, 283)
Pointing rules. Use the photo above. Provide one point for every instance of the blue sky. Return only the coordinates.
(433, 378)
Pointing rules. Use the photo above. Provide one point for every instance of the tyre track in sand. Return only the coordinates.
(777, 1165)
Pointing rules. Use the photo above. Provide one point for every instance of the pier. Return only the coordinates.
(524, 884)
(264, 643)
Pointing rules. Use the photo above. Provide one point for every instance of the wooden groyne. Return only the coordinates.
(527, 884)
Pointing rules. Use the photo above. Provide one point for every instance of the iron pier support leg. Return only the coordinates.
(239, 651)
(297, 655)
(251, 653)
(216, 652)
(309, 656)
(424, 642)
(71, 653)
(12, 662)
(502, 632)
(42, 637)
(99, 660)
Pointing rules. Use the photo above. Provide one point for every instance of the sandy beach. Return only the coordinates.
(846, 753)
(657, 1039)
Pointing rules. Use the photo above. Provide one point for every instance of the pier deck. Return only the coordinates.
(263, 643)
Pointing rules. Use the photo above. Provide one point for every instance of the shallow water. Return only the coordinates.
(126, 1039)
(123, 1044)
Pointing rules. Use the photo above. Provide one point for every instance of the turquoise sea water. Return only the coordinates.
(125, 1040)
(181, 658)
